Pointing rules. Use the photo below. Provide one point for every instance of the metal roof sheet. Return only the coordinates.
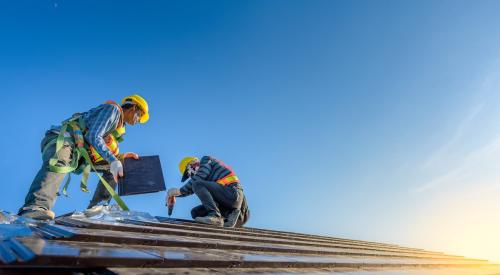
(136, 243)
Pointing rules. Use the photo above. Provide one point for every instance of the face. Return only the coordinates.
(133, 115)
(192, 167)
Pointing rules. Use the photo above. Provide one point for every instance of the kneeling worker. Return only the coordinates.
(218, 189)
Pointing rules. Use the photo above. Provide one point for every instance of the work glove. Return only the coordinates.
(173, 192)
(116, 168)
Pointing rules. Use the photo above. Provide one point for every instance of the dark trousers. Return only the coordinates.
(213, 195)
(199, 211)
(101, 194)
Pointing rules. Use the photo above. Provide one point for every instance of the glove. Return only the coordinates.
(116, 169)
(173, 192)
(130, 155)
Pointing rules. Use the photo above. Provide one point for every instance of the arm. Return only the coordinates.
(201, 174)
(105, 121)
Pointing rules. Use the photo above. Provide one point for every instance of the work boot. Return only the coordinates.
(232, 218)
(38, 214)
(213, 220)
(97, 209)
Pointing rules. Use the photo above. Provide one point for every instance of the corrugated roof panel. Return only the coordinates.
(122, 244)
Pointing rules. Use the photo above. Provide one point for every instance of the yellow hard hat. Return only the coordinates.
(143, 105)
(183, 165)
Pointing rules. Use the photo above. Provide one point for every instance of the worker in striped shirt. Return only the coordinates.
(101, 128)
(217, 187)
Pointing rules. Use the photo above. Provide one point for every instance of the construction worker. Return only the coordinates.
(87, 141)
(217, 187)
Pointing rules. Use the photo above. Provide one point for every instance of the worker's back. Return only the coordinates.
(211, 169)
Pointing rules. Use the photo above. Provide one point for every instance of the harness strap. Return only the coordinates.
(65, 187)
(59, 141)
(110, 189)
(80, 146)
(78, 151)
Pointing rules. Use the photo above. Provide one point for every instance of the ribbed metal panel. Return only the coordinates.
(183, 246)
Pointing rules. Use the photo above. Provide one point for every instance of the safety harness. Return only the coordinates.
(77, 127)
(112, 141)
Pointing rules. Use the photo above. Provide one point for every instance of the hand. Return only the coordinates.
(170, 201)
(130, 155)
(116, 168)
(173, 192)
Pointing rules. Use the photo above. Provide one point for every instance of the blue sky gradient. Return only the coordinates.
(375, 120)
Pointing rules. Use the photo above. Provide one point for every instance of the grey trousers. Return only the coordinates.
(43, 190)
(212, 195)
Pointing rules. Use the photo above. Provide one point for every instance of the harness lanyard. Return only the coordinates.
(110, 189)
(79, 151)
(80, 146)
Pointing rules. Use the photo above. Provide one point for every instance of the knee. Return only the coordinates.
(194, 213)
(198, 211)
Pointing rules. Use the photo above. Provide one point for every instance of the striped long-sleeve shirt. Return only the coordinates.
(100, 122)
(210, 169)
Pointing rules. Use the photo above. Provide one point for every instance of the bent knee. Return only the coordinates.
(198, 211)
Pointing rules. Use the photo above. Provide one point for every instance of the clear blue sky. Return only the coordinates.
(375, 120)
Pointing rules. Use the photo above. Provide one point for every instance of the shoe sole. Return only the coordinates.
(209, 223)
(38, 216)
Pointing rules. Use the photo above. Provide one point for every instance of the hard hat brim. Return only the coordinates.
(144, 118)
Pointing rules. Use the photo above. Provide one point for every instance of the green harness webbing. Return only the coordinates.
(78, 151)
(85, 176)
